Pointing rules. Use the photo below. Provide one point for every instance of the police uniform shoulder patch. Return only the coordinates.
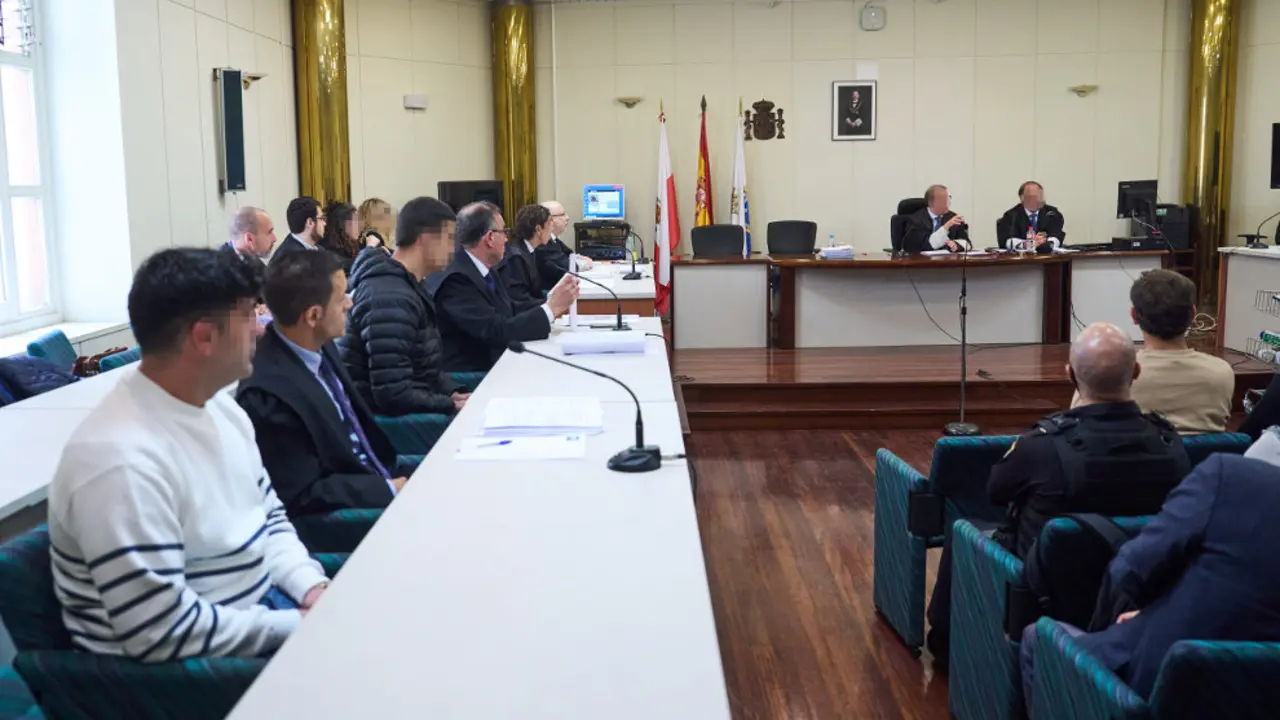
(1011, 448)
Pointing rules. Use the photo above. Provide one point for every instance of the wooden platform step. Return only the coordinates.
(747, 415)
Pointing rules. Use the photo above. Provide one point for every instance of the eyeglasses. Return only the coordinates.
(560, 214)
(504, 231)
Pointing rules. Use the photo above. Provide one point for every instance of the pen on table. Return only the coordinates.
(495, 444)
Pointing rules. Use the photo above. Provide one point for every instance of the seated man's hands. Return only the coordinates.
(459, 400)
(563, 295)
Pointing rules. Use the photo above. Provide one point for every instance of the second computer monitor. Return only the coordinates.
(603, 202)
(1136, 198)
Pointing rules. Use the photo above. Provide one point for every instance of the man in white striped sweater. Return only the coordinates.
(168, 541)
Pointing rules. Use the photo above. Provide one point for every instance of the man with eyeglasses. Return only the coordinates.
(477, 321)
(306, 227)
(553, 256)
(936, 227)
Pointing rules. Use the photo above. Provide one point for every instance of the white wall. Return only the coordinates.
(436, 47)
(972, 94)
(1257, 108)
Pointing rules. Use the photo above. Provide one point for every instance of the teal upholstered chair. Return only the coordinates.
(16, 702)
(70, 683)
(337, 532)
(416, 434)
(1199, 679)
(912, 511)
(991, 604)
(55, 348)
(120, 359)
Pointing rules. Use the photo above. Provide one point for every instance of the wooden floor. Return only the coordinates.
(786, 521)
(874, 388)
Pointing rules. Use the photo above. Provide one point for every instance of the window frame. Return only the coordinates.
(12, 319)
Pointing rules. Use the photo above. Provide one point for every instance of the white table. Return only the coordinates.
(636, 296)
(721, 303)
(1247, 281)
(1100, 289)
(518, 590)
(32, 446)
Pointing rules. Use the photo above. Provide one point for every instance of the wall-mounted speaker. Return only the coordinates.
(1275, 156)
(229, 95)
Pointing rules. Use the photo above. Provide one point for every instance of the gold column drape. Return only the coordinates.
(320, 84)
(515, 141)
(1206, 180)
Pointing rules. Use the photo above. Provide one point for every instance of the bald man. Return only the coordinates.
(553, 256)
(251, 233)
(1103, 456)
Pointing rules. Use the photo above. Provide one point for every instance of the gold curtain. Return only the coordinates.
(515, 140)
(320, 83)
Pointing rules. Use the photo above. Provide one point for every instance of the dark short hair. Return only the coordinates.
(300, 211)
(928, 194)
(299, 281)
(1023, 187)
(474, 221)
(1164, 303)
(177, 287)
(421, 215)
(528, 220)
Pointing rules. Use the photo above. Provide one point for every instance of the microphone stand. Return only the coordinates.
(1255, 238)
(962, 428)
(620, 325)
(634, 275)
(635, 459)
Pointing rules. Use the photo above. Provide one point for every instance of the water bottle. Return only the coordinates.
(831, 240)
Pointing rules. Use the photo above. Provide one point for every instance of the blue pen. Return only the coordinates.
(500, 443)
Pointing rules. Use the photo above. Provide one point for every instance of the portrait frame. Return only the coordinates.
(843, 112)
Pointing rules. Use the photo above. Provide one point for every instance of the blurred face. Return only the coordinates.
(854, 99)
(940, 201)
(351, 228)
(542, 234)
(438, 246)
(383, 220)
(224, 344)
(264, 236)
(559, 220)
(1032, 197)
(316, 227)
(331, 322)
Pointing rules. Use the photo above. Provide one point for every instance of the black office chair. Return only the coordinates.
(718, 241)
(898, 223)
(792, 237)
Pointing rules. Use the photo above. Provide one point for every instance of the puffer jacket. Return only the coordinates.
(23, 376)
(392, 348)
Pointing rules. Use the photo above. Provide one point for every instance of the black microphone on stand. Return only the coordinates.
(962, 428)
(634, 274)
(1255, 239)
(639, 457)
(621, 325)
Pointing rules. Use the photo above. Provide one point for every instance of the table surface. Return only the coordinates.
(82, 395)
(33, 442)
(642, 289)
(531, 590)
(1271, 252)
(887, 260)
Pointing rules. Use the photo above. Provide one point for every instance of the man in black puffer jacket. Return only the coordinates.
(392, 349)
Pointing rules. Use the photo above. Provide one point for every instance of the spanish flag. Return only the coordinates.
(703, 208)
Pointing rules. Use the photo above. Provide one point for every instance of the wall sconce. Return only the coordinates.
(1083, 90)
(630, 102)
(250, 78)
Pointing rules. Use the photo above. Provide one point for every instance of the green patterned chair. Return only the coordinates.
(72, 684)
(912, 512)
(337, 532)
(55, 348)
(1199, 680)
(416, 434)
(120, 359)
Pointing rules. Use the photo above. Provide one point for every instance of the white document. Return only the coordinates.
(602, 342)
(936, 253)
(516, 417)
(550, 447)
(610, 320)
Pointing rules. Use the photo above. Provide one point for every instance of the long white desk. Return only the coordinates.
(519, 590)
(1248, 283)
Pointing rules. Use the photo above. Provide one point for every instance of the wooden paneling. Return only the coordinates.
(607, 306)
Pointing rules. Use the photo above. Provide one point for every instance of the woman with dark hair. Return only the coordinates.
(518, 269)
(341, 234)
(377, 224)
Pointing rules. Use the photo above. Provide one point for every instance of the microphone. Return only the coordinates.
(633, 275)
(621, 325)
(1257, 237)
(635, 459)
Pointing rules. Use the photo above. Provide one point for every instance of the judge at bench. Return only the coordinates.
(936, 227)
(1031, 224)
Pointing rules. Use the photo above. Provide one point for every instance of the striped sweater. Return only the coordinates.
(166, 532)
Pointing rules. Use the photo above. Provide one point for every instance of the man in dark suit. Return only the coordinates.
(477, 321)
(936, 227)
(1202, 569)
(553, 256)
(519, 270)
(251, 234)
(392, 347)
(1031, 224)
(306, 227)
(318, 440)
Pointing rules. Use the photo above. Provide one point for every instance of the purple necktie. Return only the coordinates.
(367, 457)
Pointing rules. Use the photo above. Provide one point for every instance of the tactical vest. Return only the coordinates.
(1114, 466)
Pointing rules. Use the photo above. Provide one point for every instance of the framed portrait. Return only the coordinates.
(853, 110)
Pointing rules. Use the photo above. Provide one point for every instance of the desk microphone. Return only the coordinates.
(1255, 240)
(640, 457)
(621, 325)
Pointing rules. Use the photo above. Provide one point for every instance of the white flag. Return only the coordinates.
(667, 218)
(739, 208)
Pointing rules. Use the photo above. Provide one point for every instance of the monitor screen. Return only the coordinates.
(603, 202)
(1275, 156)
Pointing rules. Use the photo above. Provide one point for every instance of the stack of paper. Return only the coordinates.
(836, 252)
(563, 321)
(602, 342)
(523, 417)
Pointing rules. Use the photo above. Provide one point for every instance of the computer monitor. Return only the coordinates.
(457, 194)
(603, 202)
(1136, 198)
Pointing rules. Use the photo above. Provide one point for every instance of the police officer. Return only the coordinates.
(1104, 456)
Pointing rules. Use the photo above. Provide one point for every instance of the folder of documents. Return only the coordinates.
(534, 416)
(602, 342)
